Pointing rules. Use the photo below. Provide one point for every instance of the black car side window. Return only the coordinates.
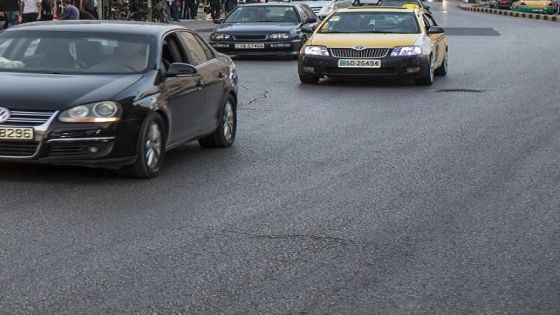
(196, 53)
(171, 52)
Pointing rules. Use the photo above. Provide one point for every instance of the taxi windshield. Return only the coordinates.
(371, 22)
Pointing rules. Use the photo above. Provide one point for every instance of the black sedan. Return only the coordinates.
(111, 94)
(263, 29)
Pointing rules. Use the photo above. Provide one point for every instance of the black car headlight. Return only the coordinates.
(92, 113)
(220, 36)
(277, 36)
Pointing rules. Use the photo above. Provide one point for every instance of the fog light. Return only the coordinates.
(93, 149)
(309, 69)
(412, 69)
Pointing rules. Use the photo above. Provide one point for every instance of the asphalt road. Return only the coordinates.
(344, 198)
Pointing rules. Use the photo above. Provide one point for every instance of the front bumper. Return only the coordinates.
(279, 48)
(391, 67)
(100, 144)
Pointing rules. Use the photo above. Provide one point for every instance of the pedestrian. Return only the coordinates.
(47, 10)
(191, 9)
(70, 11)
(10, 8)
(31, 10)
(230, 5)
(91, 7)
(215, 9)
(176, 10)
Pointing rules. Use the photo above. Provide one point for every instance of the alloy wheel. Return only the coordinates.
(228, 121)
(152, 151)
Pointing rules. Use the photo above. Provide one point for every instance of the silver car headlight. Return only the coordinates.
(92, 113)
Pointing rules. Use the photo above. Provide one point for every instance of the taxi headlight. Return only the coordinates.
(316, 50)
(406, 51)
(279, 36)
(220, 36)
(92, 113)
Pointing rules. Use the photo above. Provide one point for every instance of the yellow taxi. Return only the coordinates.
(375, 42)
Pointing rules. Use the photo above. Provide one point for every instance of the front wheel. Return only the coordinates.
(150, 149)
(442, 70)
(428, 78)
(224, 135)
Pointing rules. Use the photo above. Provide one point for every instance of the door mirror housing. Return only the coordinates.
(309, 28)
(436, 30)
(178, 69)
(218, 21)
(310, 20)
(427, 7)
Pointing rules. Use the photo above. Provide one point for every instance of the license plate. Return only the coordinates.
(538, 11)
(359, 63)
(250, 46)
(16, 134)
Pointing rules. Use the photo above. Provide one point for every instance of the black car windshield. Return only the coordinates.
(371, 22)
(74, 52)
(265, 13)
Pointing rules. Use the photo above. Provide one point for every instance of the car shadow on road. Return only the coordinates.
(361, 82)
(263, 58)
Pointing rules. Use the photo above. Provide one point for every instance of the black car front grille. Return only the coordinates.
(249, 37)
(27, 118)
(364, 53)
(18, 149)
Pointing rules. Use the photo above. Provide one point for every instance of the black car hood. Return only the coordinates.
(256, 28)
(32, 91)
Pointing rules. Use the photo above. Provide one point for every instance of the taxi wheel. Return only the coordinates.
(442, 70)
(308, 79)
(428, 78)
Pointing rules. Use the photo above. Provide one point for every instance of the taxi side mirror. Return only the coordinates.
(309, 28)
(436, 30)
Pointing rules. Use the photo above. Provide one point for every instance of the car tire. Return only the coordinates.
(150, 149)
(442, 70)
(308, 79)
(428, 77)
(224, 135)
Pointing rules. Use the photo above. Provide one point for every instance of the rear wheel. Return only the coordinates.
(224, 135)
(442, 70)
(150, 149)
(428, 78)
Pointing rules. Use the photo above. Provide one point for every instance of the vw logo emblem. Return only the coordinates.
(4, 114)
(359, 48)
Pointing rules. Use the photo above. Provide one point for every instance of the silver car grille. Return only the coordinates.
(354, 53)
(28, 118)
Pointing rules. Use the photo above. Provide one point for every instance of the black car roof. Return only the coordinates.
(102, 26)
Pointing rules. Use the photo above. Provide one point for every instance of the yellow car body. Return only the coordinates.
(534, 6)
(376, 49)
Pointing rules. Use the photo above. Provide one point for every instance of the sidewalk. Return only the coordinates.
(201, 26)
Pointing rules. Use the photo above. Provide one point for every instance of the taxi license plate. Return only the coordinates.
(359, 63)
(250, 46)
(25, 134)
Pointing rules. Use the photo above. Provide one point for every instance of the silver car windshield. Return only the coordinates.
(73, 52)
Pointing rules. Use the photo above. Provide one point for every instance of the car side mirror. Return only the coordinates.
(178, 69)
(436, 30)
(218, 21)
(310, 20)
(427, 7)
(309, 28)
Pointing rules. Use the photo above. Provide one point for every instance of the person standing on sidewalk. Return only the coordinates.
(215, 9)
(70, 11)
(91, 7)
(191, 8)
(47, 10)
(176, 10)
(230, 5)
(31, 10)
(10, 8)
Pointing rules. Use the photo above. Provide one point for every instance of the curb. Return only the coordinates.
(533, 16)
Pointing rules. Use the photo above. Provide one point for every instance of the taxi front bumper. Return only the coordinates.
(391, 67)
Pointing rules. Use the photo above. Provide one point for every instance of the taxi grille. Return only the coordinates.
(28, 118)
(353, 53)
(18, 149)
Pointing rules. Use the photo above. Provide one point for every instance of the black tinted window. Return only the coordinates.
(196, 53)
